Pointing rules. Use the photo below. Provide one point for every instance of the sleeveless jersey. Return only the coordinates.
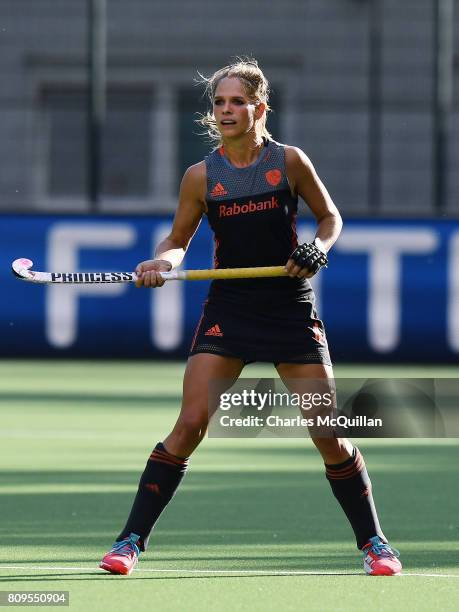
(253, 216)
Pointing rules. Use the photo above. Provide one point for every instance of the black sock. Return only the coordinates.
(158, 483)
(351, 486)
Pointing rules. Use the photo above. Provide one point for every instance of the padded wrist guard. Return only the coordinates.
(309, 256)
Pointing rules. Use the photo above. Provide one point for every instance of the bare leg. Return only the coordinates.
(333, 450)
(168, 462)
(192, 422)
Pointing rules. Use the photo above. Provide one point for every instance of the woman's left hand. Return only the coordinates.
(306, 260)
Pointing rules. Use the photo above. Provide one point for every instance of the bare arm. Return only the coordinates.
(305, 182)
(170, 252)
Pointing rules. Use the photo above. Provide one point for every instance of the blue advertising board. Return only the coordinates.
(390, 293)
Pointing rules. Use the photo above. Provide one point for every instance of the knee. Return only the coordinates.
(191, 426)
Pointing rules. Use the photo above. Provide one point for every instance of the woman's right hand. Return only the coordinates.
(148, 272)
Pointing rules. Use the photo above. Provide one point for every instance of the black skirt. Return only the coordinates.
(276, 327)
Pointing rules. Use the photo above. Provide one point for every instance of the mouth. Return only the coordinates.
(227, 122)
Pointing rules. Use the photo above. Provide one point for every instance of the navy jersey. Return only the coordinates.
(252, 213)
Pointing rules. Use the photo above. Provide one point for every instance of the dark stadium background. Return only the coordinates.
(97, 106)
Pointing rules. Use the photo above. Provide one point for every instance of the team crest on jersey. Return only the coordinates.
(274, 177)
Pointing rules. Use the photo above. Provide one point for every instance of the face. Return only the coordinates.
(234, 112)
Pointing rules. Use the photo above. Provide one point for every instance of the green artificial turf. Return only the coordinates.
(75, 436)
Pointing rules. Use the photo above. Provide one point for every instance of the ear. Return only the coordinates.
(260, 108)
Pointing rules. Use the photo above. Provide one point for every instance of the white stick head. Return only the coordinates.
(21, 268)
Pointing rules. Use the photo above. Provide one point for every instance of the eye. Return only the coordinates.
(218, 102)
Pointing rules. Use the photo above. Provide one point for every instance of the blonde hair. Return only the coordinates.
(256, 88)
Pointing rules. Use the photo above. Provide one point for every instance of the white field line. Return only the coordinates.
(229, 572)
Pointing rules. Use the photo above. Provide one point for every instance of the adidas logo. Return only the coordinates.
(214, 331)
(218, 190)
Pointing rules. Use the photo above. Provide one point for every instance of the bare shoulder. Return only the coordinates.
(196, 171)
(194, 182)
(299, 168)
(296, 158)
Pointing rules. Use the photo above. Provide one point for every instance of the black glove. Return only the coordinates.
(309, 256)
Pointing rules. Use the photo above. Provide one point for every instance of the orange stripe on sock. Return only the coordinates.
(357, 465)
(161, 453)
(352, 470)
(167, 462)
(155, 456)
(162, 457)
(167, 455)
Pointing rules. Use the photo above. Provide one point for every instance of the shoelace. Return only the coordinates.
(126, 547)
(382, 550)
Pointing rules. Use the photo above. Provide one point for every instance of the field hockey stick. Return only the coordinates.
(22, 270)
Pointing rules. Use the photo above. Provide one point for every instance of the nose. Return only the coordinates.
(226, 108)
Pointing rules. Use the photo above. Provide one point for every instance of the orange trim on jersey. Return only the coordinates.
(294, 232)
(216, 245)
(196, 331)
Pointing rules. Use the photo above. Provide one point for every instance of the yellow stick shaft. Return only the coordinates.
(228, 273)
